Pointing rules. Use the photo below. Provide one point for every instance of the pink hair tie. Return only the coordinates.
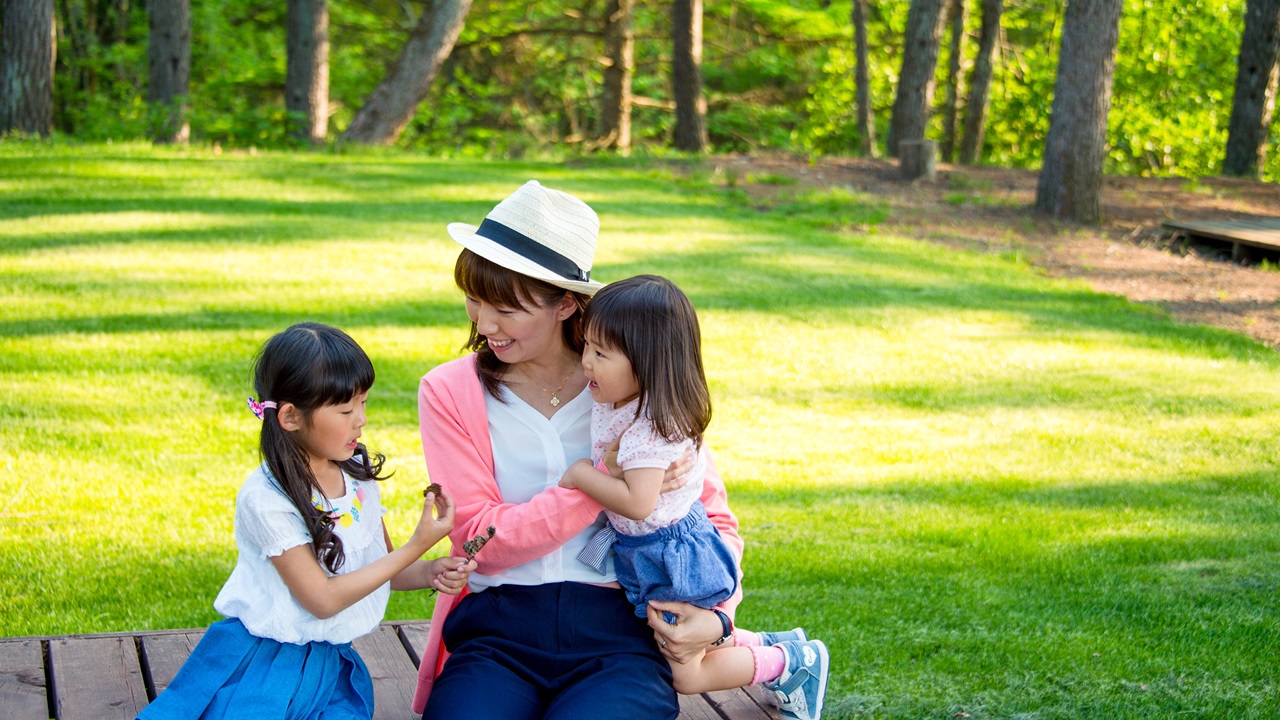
(259, 408)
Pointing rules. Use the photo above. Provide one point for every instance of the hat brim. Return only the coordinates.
(465, 235)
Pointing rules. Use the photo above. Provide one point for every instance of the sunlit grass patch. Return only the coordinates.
(991, 493)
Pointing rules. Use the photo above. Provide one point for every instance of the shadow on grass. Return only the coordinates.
(407, 313)
(775, 262)
(804, 275)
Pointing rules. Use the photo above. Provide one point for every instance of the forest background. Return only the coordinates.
(523, 80)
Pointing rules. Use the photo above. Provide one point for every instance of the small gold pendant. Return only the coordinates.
(555, 401)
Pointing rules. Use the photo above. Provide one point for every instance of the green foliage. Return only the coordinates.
(1174, 83)
(1022, 85)
(100, 72)
(526, 79)
(751, 128)
(238, 66)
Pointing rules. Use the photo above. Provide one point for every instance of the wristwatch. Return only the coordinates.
(726, 626)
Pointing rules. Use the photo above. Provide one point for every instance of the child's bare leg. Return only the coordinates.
(720, 669)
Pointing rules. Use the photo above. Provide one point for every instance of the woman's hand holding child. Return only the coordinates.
(693, 632)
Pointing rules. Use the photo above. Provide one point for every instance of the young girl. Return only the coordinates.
(315, 564)
(643, 363)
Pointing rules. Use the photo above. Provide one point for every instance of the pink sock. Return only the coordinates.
(745, 638)
(770, 662)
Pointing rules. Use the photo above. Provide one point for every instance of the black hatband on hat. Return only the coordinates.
(531, 249)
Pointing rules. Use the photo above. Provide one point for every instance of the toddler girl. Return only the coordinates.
(643, 363)
(316, 564)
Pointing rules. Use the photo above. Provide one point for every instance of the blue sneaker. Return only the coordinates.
(803, 684)
(768, 639)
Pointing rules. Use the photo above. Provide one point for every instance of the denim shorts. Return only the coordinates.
(686, 562)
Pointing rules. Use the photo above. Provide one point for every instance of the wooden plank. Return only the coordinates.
(737, 703)
(165, 654)
(22, 688)
(394, 676)
(696, 707)
(746, 703)
(96, 677)
(1260, 232)
(416, 634)
(101, 676)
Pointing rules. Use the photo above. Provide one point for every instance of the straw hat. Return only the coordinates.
(539, 232)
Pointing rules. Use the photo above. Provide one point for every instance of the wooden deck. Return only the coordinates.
(115, 675)
(1257, 232)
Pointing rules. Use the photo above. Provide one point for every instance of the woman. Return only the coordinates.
(541, 634)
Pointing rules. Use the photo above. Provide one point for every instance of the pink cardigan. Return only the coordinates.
(455, 441)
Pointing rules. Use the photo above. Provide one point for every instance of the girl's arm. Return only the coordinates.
(634, 495)
(324, 596)
(447, 574)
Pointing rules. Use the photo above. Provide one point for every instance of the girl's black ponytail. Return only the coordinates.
(311, 365)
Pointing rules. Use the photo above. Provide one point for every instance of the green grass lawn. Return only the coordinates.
(993, 494)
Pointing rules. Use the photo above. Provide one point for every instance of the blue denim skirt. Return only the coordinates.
(233, 674)
(686, 562)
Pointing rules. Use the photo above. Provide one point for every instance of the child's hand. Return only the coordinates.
(449, 574)
(432, 529)
(579, 465)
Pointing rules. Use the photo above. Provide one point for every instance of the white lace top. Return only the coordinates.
(266, 525)
(643, 447)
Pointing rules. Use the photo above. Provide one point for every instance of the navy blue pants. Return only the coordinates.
(558, 651)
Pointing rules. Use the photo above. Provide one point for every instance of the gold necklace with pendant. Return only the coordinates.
(555, 401)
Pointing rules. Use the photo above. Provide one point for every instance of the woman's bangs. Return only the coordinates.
(489, 282)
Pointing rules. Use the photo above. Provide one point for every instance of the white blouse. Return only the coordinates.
(530, 454)
(266, 525)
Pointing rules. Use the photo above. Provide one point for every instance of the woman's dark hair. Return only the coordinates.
(489, 282)
(310, 366)
(650, 321)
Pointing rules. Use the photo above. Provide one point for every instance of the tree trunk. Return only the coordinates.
(392, 104)
(1070, 183)
(306, 80)
(169, 58)
(862, 80)
(918, 159)
(951, 110)
(919, 63)
(975, 114)
(26, 66)
(686, 75)
(1255, 89)
(619, 49)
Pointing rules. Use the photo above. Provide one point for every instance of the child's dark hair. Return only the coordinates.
(311, 365)
(488, 281)
(650, 321)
